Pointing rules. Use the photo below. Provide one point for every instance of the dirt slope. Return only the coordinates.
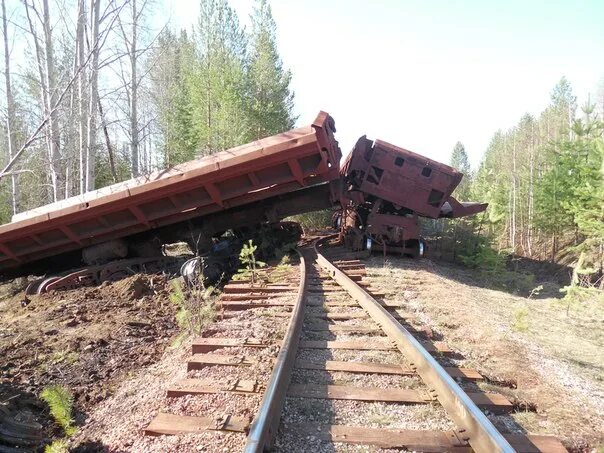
(87, 340)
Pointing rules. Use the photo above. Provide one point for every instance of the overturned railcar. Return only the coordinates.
(386, 188)
(380, 190)
(253, 183)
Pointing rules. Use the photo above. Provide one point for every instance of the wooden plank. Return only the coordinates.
(355, 277)
(348, 303)
(333, 284)
(354, 261)
(348, 392)
(314, 289)
(339, 316)
(243, 305)
(380, 368)
(535, 444)
(246, 289)
(249, 296)
(493, 402)
(183, 424)
(362, 345)
(352, 330)
(352, 267)
(409, 440)
(227, 314)
(464, 373)
(247, 285)
(333, 328)
(348, 315)
(203, 345)
(199, 361)
(418, 440)
(203, 386)
(358, 345)
(356, 367)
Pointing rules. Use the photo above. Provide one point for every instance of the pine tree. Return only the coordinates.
(272, 101)
(172, 63)
(217, 83)
(459, 160)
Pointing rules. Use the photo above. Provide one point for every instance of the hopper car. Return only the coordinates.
(378, 193)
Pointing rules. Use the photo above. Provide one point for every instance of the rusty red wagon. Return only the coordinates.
(265, 168)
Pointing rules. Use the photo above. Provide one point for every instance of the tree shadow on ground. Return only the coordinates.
(522, 276)
(25, 422)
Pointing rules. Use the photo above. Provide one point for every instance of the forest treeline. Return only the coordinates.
(543, 180)
(94, 94)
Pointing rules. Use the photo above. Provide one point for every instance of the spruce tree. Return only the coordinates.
(272, 102)
(217, 83)
(459, 160)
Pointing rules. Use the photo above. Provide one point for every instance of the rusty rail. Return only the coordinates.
(264, 427)
(472, 423)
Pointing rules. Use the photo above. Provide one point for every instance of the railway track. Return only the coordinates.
(315, 362)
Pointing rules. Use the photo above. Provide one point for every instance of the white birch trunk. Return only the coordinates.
(134, 135)
(82, 95)
(54, 156)
(10, 110)
(95, 9)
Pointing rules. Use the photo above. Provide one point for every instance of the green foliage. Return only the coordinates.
(272, 101)
(281, 271)
(60, 402)
(315, 220)
(196, 308)
(57, 446)
(484, 258)
(250, 263)
(459, 160)
(543, 180)
(220, 87)
(491, 269)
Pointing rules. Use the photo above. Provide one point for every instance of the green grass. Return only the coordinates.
(57, 446)
(60, 402)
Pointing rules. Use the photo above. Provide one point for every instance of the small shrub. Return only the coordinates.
(491, 268)
(281, 271)
(60, 402)
(521, 323)
(196, 308)
(251, 269)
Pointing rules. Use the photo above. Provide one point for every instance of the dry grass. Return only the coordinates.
(557, 359)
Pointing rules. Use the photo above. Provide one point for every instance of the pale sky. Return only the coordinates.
(424, 74)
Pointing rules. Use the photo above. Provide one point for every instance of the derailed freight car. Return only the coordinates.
(380, 190)
(167, 204)
(386, 188)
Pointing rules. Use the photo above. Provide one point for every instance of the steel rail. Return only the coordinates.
(473, 425)
(265, 425)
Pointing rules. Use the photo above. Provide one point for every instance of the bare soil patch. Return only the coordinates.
(88, 340)
(543, 354)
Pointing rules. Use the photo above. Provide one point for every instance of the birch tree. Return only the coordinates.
(10, 109)
(93, 95)
(48, 90)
